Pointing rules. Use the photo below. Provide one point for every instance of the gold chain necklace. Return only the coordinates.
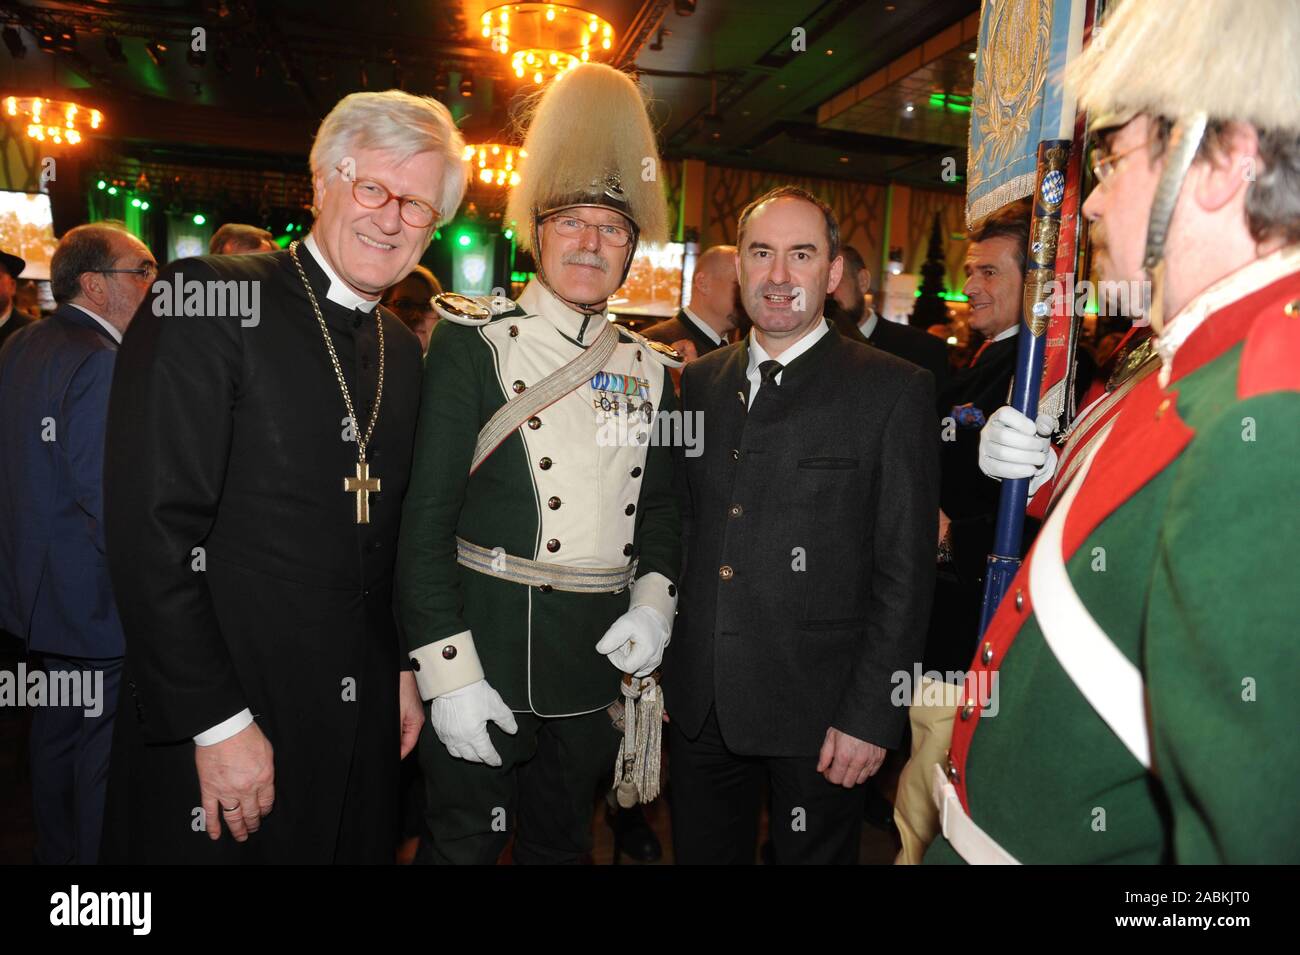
(363, 484)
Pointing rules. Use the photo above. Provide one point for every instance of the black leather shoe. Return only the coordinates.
(633, 836)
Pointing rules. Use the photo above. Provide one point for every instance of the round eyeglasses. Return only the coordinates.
(415, 212)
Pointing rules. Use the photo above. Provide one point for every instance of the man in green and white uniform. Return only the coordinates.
(540, 537)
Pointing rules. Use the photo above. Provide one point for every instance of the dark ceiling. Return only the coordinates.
(727, 83)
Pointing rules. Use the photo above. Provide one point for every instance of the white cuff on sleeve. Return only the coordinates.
(225, 729)
(446, 665)
(657, 591)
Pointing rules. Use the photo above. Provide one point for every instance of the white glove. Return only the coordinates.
(636, 641)
(1012, 447)
(460, 719)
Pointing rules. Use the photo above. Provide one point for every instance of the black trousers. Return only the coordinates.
(70, 744)
(716, 796)
(543, 791)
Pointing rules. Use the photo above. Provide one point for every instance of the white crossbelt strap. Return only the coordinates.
(1110, 683)
(969, 841)
(571, 375)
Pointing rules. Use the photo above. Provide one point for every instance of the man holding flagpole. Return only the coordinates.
(1145, 652)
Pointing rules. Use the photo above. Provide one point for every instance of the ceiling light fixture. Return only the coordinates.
(56, 122)
(545, 40)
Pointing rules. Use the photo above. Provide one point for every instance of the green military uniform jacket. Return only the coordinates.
(1145, 655)
(571, 487)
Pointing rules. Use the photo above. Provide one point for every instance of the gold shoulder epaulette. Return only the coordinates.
(665, 355)
(473, 310)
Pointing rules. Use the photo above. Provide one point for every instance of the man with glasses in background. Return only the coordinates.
(54, 588)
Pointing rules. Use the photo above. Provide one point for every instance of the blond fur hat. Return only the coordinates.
(1232, 59)
(590, 142)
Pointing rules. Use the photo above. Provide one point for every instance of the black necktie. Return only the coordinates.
(767, 372)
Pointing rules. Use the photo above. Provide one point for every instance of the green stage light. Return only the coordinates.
(112, 190)
(101, 184)
(951, 101)
(199, 218)
(510, 233)
(463, 239)
(144, 206)
(136, 202)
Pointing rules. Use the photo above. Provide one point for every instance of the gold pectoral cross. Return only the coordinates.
(361, 486)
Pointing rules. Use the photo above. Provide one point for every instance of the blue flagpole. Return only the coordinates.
(1040, 272)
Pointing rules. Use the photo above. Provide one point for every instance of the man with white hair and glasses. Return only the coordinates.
(259, 441)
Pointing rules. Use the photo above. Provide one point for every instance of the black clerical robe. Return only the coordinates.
(241, 575)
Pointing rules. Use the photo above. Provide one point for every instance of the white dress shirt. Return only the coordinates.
(117, 336)
(757, 356)
(703, 326)
(340, 293)
(868, 324)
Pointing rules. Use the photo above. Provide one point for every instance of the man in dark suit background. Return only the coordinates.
(847, 308)
(54, 586)
(995, 268)
(11, 319)
(714, 309)
(810, 527)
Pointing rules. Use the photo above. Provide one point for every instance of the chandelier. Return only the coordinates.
(494, 164)
(50, 120)
(545, 40)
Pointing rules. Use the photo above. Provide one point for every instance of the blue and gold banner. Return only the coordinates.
(1018, 101)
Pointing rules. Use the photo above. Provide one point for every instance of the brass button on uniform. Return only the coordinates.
(636, 472)
(518, 386)
(968, 709)
(534, 422)
(552, 545)
(725, 572)
(1020, 599)
(544, 464)
(630, 510)
(987, 655)
(627, 550)
(415, 664)
(514, 331)
(553, 503)
(953, 774)
(736, 510)
(638, 354)
(449, 653)
(544, 588)
(672, 590)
